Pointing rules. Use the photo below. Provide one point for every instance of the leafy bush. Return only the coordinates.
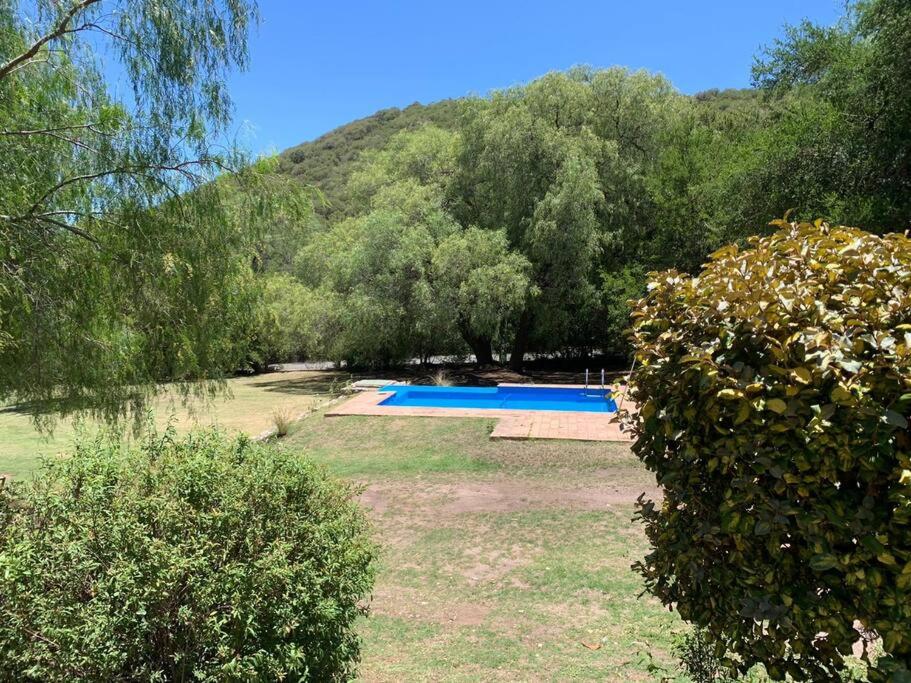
(200, 558)
(774, 394)
(699, 660)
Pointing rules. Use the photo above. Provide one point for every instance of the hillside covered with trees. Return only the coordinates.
(521, 222)
(327, 162)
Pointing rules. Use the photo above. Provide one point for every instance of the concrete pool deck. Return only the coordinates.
(512, 424)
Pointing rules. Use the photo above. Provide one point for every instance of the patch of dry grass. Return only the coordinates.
(501, 560)
(247, 407)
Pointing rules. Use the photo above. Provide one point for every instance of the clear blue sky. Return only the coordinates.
(316, 66)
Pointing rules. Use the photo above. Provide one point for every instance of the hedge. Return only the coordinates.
(774, 393)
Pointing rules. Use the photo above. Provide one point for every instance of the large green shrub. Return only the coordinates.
(774, 394)
(200, 558)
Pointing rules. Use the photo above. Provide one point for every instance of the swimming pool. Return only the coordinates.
(502, 398)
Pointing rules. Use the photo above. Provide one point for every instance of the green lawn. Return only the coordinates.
(500, 560)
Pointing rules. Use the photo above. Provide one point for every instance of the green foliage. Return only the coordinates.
(376, 270)
(329, 161)
(774, 393)
(200, 558)
(729, 100)
(125, 263)
(289, 322)
(619, 289)
(486, 286)
(699, 660)
(858, 73)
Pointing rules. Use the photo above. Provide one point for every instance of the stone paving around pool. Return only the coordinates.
(512, 424)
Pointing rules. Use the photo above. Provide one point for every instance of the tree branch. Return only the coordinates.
(47, 218)
(60, 129)
(122, 170)
(59, 30)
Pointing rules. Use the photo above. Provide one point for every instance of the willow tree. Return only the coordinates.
(123, 264)
(560, 165)
(483, 286)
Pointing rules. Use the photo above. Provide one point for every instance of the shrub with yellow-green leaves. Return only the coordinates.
(774, 393)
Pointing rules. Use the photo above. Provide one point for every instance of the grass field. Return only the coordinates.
(501, 560)
(247, 406)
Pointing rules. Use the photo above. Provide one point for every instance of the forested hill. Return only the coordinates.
(327, 161)
(523, 222)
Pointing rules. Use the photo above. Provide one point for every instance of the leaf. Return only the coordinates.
(852, 366)
(591, 646)
(823, 562)
(871, 544)
(841, 395)
(742, 413)
(776, 405)
(730, 394)
(887, 558)
(729, 250)
(895, 419)
(802, 375)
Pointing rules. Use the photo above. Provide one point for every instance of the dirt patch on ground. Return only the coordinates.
(493, 565)
(406, 603)
(501, 494)
(510, 496)
(374, 498)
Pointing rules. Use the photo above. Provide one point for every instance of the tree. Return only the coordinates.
(287, 323)
(852, 83)
(377, 268)
(561, 166)
(484, 284)
(123, 263)
(410, 280)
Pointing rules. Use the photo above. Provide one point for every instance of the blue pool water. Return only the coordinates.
(503, 398)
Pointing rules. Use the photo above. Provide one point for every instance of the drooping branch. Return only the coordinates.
(48, 218)
(60, 29)
(93, 127)
(181, 168)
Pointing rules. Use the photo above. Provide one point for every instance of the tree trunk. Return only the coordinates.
(520, 343)
(480, 346)
(483, 353)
